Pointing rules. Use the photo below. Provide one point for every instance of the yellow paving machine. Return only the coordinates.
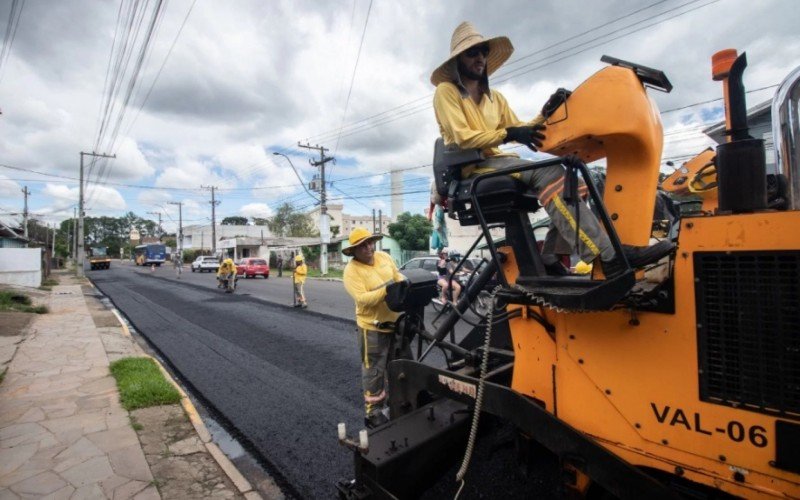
(99, 258)
(681, 382)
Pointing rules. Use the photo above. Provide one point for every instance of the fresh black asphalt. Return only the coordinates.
(281, 377)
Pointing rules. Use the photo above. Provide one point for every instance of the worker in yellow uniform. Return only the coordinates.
(226, 270)
(299, 280)
(366, 278)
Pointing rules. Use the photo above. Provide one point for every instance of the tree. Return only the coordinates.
(234, 220)
(260, 221)
(412, 232)
(287, 221)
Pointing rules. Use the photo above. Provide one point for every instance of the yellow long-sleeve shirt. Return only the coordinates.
(470, 125)
(367, 285)
(300, 273)
(226, 267)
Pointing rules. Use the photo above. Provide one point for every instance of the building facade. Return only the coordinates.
(199, 237)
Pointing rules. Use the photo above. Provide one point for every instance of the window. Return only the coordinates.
(429, 264)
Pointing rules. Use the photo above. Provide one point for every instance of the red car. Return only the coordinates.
(251, 267)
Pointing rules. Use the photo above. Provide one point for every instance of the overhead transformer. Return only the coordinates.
(683, 379)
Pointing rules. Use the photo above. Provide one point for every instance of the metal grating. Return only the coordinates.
(748, 329)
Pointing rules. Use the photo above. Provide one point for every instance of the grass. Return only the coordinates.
(141, 384)
(3, 375)
(48, 284)
(135, 424)
(332, 273)
(13, 301)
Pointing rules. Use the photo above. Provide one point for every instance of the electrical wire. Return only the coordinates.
(11, 32)
(352, 78)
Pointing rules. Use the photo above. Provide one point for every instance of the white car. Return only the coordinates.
(205, 263)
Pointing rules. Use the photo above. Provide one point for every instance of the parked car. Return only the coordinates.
(429, 264)
(205, 263)
(252, 267)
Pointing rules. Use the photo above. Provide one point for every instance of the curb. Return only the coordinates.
(230, 470)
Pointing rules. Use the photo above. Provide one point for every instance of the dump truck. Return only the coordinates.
(99, 258)
(681, 380)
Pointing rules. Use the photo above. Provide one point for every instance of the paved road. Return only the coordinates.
(281, 377)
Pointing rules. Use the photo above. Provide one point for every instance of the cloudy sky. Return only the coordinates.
(223, 85)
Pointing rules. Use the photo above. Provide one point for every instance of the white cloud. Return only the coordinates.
(251, 77)
(261, 210)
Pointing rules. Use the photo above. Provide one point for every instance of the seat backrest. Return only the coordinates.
(447, 163)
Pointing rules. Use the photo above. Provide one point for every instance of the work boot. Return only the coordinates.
(375, 420)
(638, 257)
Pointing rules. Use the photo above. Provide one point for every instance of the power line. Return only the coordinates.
(11, 32)
(352, 78)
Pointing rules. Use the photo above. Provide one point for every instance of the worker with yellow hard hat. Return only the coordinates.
(366, 278)
(299, 280)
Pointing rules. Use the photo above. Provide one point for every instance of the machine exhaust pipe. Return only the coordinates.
(741, 162)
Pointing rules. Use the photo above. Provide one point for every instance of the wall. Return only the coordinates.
(21, 266)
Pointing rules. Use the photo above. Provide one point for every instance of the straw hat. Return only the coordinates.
(358, 236)
(298, 258)
(464, 37)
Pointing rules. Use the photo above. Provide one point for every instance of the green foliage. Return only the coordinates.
(288, 221)
(234, 220)
(111, 232)
(141, 384)
(12, 301)
(310, 254)
(171, 242)
(190, 255)
(412, 232)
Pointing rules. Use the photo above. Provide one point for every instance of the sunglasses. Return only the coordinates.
(474, 51)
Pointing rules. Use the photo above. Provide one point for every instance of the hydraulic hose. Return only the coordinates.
(476, 415)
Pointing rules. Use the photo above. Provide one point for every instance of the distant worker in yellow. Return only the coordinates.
(366, 279)
(299, 280)
(226, 270)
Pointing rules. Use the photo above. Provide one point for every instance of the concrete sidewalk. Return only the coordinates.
(63, 433)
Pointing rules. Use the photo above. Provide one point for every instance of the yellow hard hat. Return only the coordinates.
(298, 258)
(583, 268)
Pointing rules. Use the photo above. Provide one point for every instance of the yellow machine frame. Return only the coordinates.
(632, 383)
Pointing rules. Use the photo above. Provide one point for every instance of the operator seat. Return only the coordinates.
(497, 196)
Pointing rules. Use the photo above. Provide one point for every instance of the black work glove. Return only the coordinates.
(528, 135)
(396, 295)
(558, 98)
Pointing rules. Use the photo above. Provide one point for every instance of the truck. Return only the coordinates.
(99, 258)
(680, 380)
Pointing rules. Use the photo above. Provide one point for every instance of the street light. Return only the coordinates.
(297, 174)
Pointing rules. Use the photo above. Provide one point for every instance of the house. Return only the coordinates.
(10, 238)
(198, 237)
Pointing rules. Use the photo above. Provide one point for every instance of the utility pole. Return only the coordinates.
(180, 226)
(324, 223)
(25, 192)
(160, 232)
(214, 202)
(373, 222)
(73, 253)
(53, 253)
(380, 228)
(81, 213)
